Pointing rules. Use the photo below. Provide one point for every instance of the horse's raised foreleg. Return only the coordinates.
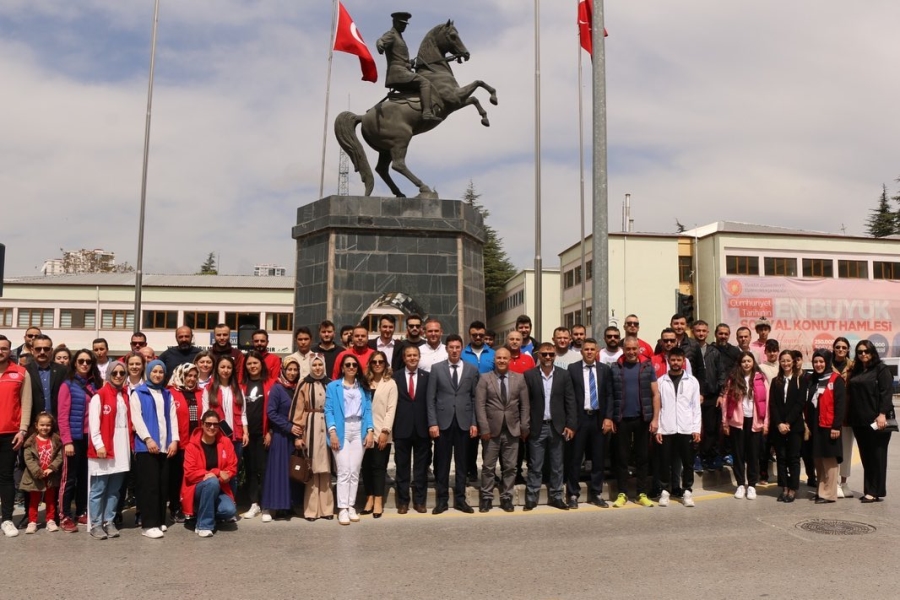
(383, 168)
(473, 101)
(466, 90)
(398, 163)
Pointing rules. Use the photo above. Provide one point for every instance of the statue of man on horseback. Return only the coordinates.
(400, 74)
(389, 126)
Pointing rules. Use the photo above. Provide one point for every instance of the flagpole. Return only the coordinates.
(538, 276)
(139, 265)
(334, 14)
(600, 191)
(581, 179)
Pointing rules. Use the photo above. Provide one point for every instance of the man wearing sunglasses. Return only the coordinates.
(46, 377)
(414, 331)
(27, 346)
(613, 350)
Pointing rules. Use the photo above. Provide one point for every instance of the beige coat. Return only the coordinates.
(312, 419)
(384, 406)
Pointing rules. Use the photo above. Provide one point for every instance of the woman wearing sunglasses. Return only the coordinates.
(870, 388)
(209, 466)
(348, 418)
(841, 363)
(384, 405)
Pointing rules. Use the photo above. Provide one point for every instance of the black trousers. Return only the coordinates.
(632, 434)
(747, 444)
(255, 458)
(677, 453)
(452, 443)
(74, 481)
(787, 451)
(589, 429)
(712, 427)
(806, 454)
(152, 487)
(374, 470)
(873, 452)
(407, 450)
(7, 483)
(176, 475)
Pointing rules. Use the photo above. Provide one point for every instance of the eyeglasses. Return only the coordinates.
(548, 354)
(139, 344)
(84, 361)
(375, 362)
(862, 351)
(413, 325)
(211, 425)
(632, 323)
(117, 374)
(349, 365)
(842, 347)
(31, 335)
(668, 341)
(612, 337)
(41, 349)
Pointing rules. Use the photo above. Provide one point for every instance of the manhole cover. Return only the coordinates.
(834, 527)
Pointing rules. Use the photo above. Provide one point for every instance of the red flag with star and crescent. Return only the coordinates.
(348, 39)
(585, 18)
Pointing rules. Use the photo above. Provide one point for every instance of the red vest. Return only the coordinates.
(11, 381)
(237, 428)
(826, 403)
(109, 403)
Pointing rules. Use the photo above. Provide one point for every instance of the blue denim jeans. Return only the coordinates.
(104, 497)
(211, 504)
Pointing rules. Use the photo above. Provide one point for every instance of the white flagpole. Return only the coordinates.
(334, 17)
(139, 265)
(581, 176)
(538, 307)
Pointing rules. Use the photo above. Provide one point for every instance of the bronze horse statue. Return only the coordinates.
(389, 126)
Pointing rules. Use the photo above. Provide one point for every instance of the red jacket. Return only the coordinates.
(195, 467)
(237, 428)
(826, 404)
(109, 404)
(11, 382)
(184, 414)
(362, 357)
(267, 387)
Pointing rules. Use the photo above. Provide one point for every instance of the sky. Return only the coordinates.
(765, 112)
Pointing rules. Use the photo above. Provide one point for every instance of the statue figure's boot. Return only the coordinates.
(425, 95)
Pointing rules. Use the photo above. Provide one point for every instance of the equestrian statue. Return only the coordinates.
(422, 94)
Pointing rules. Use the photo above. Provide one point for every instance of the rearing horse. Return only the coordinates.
(389, 126)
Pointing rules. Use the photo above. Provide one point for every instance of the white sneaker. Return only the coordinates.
(344, 517)
(844, 488)
(204, 533)
(354, 516)
(52, 527)
(154, 533)
(32, 528)
(9, 529)
(751, 493)
(664, 498)
(163, 528)
(840, 491)
(688, 500)
(254, 510)
(266, 517)
(739, 494)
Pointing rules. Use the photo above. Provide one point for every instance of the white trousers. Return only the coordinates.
(349, 460)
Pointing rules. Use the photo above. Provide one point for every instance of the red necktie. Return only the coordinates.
(412, 388)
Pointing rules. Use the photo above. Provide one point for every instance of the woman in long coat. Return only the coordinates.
(318, 500)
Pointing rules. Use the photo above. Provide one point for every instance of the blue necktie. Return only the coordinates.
(592, 381)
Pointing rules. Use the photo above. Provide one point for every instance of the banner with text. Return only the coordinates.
(809, 313)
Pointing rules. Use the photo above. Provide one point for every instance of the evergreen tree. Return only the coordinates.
(497, 266)
(882, 222)
(209, 265)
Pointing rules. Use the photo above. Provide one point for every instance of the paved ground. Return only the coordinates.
(722, 548)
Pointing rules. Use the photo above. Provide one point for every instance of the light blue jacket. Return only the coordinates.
(334, 410)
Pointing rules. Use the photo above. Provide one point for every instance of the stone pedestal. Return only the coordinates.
(352, 249)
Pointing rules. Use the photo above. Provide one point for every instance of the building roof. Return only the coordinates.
(752, 228)
(127, 280)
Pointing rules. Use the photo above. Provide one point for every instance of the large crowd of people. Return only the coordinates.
(179, 434)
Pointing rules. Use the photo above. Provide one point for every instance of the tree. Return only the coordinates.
(882, 222)
(679, 228)
(209, 265)
(497, 266)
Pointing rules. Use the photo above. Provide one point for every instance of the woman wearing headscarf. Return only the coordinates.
(187, 396)
(825, 406)
(308, 420)
(276, 491)
(155, 423)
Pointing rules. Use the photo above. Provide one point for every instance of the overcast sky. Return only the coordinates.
(772, 112)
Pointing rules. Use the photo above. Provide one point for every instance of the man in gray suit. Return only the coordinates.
(553, 422)
(451, 422)
(502, 409)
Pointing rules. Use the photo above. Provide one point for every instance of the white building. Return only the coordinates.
(81, 261)
(269, 270)
(519, 299)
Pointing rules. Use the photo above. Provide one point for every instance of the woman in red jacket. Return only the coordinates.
(209, 466)
(825, 406)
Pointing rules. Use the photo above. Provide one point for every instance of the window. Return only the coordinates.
(886, 270)
(117, 319)
(36, 317)
(569, 279)
(77, 318)
(578, 275)
(589, 266)
(781, 267)
(685, 269)
(279, 321)
(818, 267)
(236, 319)
(853, 269)
(201, 320)
(742, 265)
(160, 319)
(6, 317)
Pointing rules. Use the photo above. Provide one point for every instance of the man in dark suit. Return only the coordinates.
(410, 430)
(553, 423)
(594, 402)
(46, 377)
(502, 410)
(451, 422)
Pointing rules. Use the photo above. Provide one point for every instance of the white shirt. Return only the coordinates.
(587, 384)
(547, 380)
(227, 407)
(121, 460)
(140, 426)
(748, 398)
(607, 357)
(564, 360)
(388, 348)
(429, 356)
(679, 409)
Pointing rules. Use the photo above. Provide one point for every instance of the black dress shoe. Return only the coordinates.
(440, 508)
(868, 500)
(366, 512)
(558, 503)
(420, 508)
(823, 501)
(403, 509)
(598, 501)
(463, 506)
(573, 502)
(485, 506)
(507, 505)
(789, 498)
(529, 505)
(781, 497)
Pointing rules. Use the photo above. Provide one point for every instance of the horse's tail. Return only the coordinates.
(345, 132)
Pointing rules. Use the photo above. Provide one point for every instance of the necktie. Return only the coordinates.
(592, 381)
(412, 388)
(454, 378)
(503, 388)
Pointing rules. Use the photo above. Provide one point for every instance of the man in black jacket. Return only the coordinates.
(46, 377)
(410, 432)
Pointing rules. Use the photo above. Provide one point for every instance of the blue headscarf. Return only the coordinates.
(150, 366)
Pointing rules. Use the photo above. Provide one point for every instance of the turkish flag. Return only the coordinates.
(585, 18)
(348, 39)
